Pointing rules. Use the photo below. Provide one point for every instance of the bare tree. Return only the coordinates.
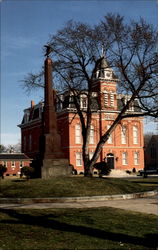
(131, 50)
(2, 148)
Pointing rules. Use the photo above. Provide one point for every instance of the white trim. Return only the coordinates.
(78, 134)
(78, 159)
(124, 158)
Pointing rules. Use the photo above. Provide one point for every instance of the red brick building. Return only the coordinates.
(124, 149)
(14, 162)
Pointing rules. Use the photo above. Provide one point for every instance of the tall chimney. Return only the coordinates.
(32, 104)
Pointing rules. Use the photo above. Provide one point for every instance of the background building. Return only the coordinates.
(151, 153)
(14, 162)
(124, 148)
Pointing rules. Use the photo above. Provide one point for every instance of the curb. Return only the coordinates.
(77, 199)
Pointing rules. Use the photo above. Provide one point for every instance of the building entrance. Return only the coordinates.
(110, 160)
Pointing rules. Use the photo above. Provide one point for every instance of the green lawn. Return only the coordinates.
(98, 228)
(146, 182)
(68, 186)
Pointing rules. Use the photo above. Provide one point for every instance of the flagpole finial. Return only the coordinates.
(103, 51)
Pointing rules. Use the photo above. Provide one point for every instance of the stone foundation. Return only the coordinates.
(55, 167)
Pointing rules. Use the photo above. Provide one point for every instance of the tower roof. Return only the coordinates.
(101, 63)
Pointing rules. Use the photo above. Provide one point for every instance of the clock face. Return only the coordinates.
(108, 75)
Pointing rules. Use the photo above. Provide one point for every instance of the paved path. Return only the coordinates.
(147, 205)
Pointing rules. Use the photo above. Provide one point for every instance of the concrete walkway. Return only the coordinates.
(148, 205)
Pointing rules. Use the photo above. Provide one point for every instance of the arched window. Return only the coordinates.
(123, 135)
(78, 159)
(78, 134)
(136, 158)
(112, 99)
(106, 99)
(91, 138)
(135, 135)
(91, 155)
(124, 158)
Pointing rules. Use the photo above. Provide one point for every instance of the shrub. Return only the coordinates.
(3, 169)
(27, 171)
(103, 168)
(128, 171)
(73, 170)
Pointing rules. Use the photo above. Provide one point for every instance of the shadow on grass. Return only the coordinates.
(146, 182)
(20, 180)
(50, 221)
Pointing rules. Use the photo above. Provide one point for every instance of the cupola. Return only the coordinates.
(102, 70)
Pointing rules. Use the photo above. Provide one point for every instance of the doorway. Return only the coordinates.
(110, 160)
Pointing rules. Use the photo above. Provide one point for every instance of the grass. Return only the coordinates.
(67, 186)
(146, 182)
(98, 228)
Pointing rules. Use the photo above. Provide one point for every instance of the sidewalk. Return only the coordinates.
(146, 203)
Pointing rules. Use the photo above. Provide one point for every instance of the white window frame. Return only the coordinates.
(124, 158)
(83, 101)
(106, 97)
(136, 158)
(135, 135)
(78, 134)
(91, 135)
(5, 163)
(13, 165)
(91, 155)
(123, 134)
(21, 164)
(112, 99)
(78, 159)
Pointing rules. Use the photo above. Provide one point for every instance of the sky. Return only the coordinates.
(25, 28)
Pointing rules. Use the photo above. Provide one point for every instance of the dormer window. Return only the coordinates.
(26, 117)
(83, 102)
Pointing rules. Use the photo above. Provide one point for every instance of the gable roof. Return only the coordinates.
(14, 156)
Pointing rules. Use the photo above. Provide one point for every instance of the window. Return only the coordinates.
(136, 158)
(135, 135)
(30, 142)
(123, 135)
(78, 159)
(91, 138)
(110, 140)
(111, 99)
(91, 155)
(78, 134)
(105, 99)
(21, 164)
(5, 163)
(83, 102)
(124, 158)
(13, 165)
(24, 143)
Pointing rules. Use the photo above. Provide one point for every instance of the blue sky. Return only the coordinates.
(25, 28)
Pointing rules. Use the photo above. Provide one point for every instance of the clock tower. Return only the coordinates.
(105, 83)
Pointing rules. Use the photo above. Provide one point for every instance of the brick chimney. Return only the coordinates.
(32, 104)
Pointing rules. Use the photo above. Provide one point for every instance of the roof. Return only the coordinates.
(14, 156)
(155, 137)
